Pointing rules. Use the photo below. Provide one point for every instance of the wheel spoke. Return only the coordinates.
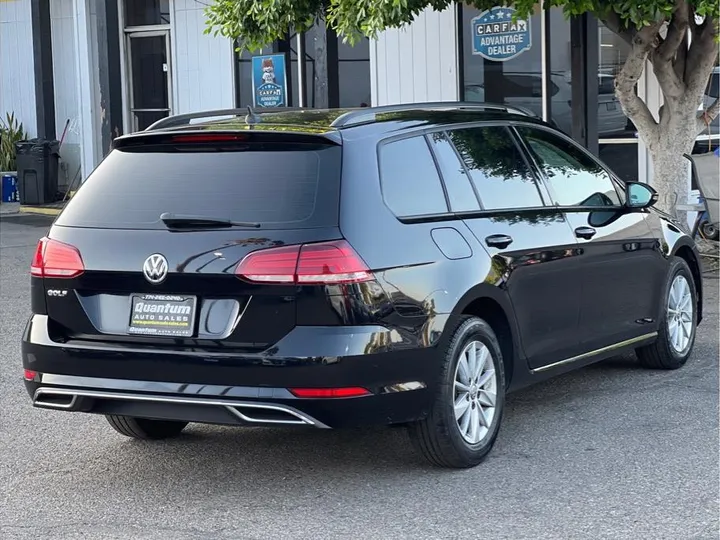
(462, 404)
(687, 332)
(673, 328)
(465, 422)
(482, 360)
(487, 398)
(462, 387)
(472, 360)
(486, 378)
(685, 302)
(464, 370)
(677, 336)
(474, 424)
(482, 418)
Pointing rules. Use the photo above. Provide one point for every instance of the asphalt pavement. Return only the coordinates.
(611, 451)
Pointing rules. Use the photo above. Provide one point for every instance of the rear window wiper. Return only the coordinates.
(181, 221)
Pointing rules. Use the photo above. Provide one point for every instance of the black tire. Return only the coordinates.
(145, 429)
(661, 354)
(438, 437)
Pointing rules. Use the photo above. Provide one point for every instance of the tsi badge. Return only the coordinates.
(155, 268)
(57, 292)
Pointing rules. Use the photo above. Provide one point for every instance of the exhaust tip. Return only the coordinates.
(47, 399)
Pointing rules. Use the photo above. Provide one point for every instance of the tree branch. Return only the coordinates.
(706, 117)
(676, 32)
(635, 108)
(615, 24)
(701, 56)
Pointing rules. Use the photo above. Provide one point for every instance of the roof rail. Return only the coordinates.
(359, 116)
(184, 119)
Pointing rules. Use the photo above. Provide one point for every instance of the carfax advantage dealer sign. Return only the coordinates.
(497, 36)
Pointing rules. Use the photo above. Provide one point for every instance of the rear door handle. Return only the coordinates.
(585, 232)
(499, 240)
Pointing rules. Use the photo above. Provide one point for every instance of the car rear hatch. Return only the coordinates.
(150, 248)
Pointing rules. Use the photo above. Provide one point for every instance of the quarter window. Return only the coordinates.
(497, 168)
(574, 178)
(460, 192)
(410, 181)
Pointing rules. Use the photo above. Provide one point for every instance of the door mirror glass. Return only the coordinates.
(640, 195)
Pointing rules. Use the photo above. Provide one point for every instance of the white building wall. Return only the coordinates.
(62, 21)
(17, 77)
(417, 63)
(202, 64)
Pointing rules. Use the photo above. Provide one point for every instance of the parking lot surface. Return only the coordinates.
(611, 451)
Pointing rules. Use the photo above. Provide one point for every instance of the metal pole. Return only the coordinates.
(302, 78)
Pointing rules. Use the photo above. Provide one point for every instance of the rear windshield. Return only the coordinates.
(278, 186)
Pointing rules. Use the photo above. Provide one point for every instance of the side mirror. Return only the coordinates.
(640, 195)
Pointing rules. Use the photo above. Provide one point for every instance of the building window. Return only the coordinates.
(341, 79)
(354, 73)
(147, 12)
(618, 137)
(148, 81)
(517, 81)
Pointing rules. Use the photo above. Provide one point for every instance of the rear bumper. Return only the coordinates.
(226, 388)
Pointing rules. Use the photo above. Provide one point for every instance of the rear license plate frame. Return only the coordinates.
(161, 322)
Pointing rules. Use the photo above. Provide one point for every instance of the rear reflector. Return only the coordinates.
(30, 375)
(56, 260)
(329, 392)
(308, 264)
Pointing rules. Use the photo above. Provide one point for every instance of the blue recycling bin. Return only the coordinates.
(9, 188)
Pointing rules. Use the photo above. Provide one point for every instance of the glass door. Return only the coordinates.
(149, 68)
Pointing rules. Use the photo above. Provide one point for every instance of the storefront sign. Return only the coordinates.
(269, 81)
(497, 36)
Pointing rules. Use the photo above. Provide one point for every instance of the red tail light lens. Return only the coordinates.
(30, 375)
(322, 263)
(56, 260)
(353, 391)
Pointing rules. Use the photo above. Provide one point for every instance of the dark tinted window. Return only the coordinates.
(575, 178)
(146, 12)
(286, 187)
(460, 192)
(410, 181)
(497, 168)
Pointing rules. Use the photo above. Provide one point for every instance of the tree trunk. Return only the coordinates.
(671, 169)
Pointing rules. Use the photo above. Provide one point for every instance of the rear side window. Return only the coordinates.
(410, 181)
(497, 168)
(276, 185)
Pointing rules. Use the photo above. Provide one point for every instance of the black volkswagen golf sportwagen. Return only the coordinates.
(405, 265)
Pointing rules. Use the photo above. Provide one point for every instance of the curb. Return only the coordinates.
(40, 210)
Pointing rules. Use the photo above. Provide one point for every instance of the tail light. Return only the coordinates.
(55, 259)
(346, 392)
(308, 264)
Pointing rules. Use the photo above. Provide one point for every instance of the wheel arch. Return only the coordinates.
(493, 306)
(685, 250)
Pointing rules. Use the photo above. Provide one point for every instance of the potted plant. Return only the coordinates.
(11, 132)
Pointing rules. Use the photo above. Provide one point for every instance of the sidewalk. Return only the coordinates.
(51, 209)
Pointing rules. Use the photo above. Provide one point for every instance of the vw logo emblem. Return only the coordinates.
(155, 268)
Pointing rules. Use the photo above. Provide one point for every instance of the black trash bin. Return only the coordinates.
(37, 170)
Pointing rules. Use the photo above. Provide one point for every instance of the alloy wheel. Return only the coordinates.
(475, 392)
(680, 314)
